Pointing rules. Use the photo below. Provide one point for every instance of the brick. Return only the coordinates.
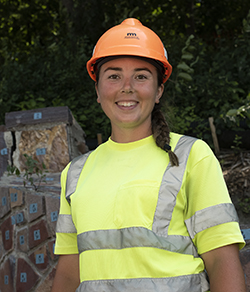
(40, 258)
(22, 243)
(38, 233)
(35, 206)
(16, 197)
(7, 234)
(26, 278)
(46, 285)
(245, 260)
(52, 204)
(7, 276)
(4, 201)
(51, 248)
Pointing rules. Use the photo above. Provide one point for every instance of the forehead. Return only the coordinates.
(128, 63)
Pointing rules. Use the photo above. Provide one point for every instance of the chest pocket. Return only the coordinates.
(135, 204)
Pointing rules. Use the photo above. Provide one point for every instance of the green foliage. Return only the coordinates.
(245, 205)
(45, 45)
(31, 167)
(237, 142)
(216, 79)
(243, 112)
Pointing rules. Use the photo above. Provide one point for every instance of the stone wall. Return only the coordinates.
(27, 234)
(52, 137)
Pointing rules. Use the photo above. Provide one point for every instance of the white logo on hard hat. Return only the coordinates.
(165, 52)
(93, 51)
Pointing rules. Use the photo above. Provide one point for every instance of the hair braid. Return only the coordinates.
(161, 131)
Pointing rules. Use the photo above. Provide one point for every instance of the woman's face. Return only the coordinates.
(127, 91)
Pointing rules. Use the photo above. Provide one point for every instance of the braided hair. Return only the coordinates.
(160, 130)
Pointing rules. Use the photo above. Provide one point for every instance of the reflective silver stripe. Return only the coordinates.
(187, 283)
(65, 224)
(170, 186)
(133, 237)
(74, 172)
(211, 216)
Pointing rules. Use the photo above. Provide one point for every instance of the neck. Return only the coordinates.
(129, 135)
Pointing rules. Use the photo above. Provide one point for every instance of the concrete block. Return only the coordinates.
(35, 205)
(7, 234)
(19, 119)
(7, 276)
(40, 258)
(52, 204)
(18, 218)
(16, 197)
(26, 278)
(22, 243)
(38, 233)
(4, 201)
(51, 248)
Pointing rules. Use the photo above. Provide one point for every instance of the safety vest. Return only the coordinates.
(157, 237)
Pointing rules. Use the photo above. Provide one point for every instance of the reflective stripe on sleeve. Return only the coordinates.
(74, 172)
(134, 237)
(211, 216)
(65, 224)
(170, 186)
(187, 283)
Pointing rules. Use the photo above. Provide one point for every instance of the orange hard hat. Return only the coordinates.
(130, 38)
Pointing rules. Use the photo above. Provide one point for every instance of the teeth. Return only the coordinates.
(126, 103)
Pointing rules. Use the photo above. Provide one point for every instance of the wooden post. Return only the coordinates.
(214, 135)
(99, 138)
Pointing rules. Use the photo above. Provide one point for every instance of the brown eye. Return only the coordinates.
(113, 76)
(141, 77)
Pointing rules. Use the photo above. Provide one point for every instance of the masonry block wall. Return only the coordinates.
(27, 235)
(52, 137)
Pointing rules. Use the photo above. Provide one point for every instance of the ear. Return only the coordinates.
(97, 93)
(159, 93)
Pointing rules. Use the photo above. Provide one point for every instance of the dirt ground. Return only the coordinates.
(236, 170)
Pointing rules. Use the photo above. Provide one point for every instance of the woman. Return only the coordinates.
(148, 210)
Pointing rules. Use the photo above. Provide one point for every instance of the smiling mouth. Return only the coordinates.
(126, 103)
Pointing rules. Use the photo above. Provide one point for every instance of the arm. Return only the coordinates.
(224, 269)
(67, 274)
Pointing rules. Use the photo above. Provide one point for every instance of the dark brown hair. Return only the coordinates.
(160, 130)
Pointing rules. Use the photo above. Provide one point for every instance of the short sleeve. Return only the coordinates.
(66, 234)
(211, 218)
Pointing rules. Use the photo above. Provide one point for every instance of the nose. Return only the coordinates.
(127, 86)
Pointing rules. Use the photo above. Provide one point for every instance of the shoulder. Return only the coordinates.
(194, 149)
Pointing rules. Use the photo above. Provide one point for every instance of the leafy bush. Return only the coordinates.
(56, 77)
(212, 81)
(207, 80)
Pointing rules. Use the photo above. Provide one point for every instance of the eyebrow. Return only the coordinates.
(113, 68)
(120, 69)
